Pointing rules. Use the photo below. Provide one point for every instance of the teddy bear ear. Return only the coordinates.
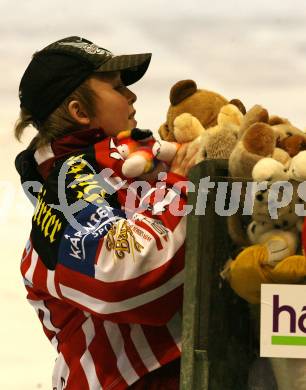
(277, 120)
(181, 90)
(238, 103)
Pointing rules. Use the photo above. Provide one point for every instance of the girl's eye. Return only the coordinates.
(119, 87)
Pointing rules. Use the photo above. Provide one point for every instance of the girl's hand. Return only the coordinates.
(185, 159)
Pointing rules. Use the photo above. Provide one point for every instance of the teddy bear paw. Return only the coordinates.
(280, 244)
(230, 115)
(278, 249)
(187, 128)
(297, 170)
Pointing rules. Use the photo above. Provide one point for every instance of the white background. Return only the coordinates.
(255, 51)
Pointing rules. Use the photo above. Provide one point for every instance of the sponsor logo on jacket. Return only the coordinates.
(45, 218)
(79, 248)
(121, 240)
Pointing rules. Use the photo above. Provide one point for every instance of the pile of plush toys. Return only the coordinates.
(257, 146)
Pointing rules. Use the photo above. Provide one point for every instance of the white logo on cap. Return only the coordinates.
(89, 48)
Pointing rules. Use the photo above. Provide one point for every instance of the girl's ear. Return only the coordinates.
(78, 113)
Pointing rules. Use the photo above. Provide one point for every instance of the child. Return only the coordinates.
(107, 290)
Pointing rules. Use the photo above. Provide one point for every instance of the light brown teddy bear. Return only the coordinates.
(185, 97)
(216, 142)
(204, 117)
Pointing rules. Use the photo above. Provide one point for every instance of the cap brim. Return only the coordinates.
(131, 66)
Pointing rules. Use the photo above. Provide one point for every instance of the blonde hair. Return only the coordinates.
(59, 122)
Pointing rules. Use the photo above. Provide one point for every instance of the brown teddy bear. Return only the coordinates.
(204, 117)
(216, 142)
(263, 136)
(268, 150)
(262, 140)
(185, 97)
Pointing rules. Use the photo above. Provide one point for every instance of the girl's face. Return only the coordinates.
(114, 104)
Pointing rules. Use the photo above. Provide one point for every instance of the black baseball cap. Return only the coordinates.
(57, 70)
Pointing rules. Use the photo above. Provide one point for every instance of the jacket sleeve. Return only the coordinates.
(127, 269)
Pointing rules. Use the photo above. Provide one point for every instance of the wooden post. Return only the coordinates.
(216, 332)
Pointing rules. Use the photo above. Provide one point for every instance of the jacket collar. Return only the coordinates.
(60, 148)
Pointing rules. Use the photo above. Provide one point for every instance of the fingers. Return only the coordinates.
(185, 158)
(188, 164)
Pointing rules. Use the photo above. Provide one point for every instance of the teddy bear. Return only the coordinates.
(271, 243)
(262, 263)
(272, 171)
(190, 116)
(268, 221)
(185, 97)
(142, 153)
(269, 171)
(270, 255)
(216, 142)
(263, 153)
(286, 224)
(274, 152)
(263, 136)
(219, 141)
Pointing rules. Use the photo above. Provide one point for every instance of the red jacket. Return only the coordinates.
(106, 288)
